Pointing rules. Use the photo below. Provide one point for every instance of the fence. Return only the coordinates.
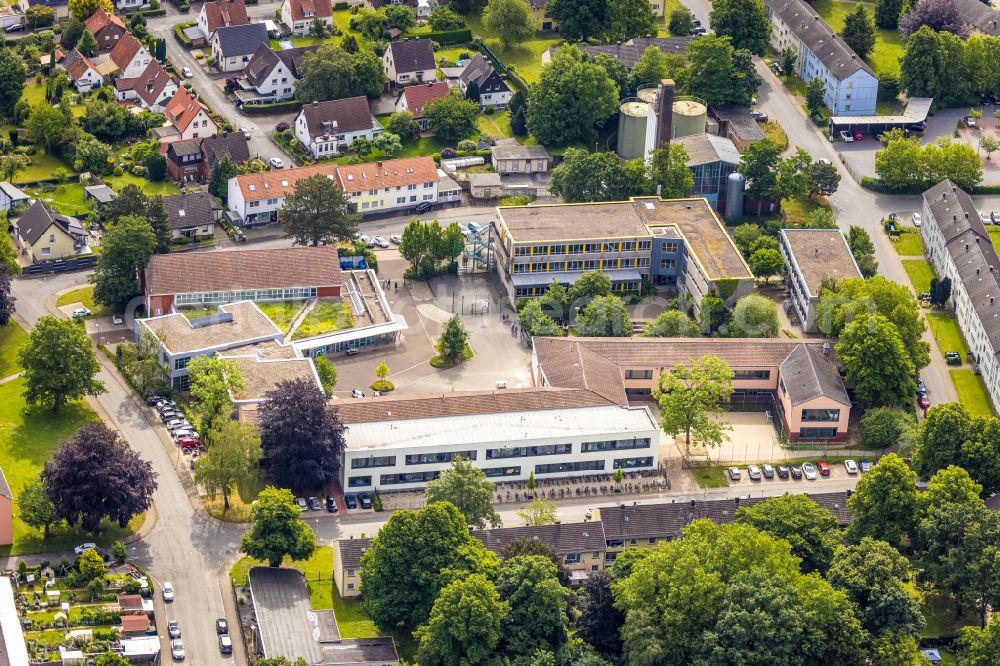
(61, 266)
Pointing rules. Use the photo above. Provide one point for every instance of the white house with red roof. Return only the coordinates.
(82, 72)
(299, 15)
(106, 28)
(189, 116)
(152, 90)
(221, 14)
(130, 57)
(416, 98)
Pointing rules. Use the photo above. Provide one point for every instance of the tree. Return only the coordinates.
(689, 397)
(12, 76)
(223, 171)
(510, 20)
(469, 490)
(388, 143)
(755, 316)
(719, 73)
(759, 164)
(538, 512)
(443, 18)
(213, 382)
(600, 622)
(671, 324)
(535, 322)
(91, 564)
(318, 212)
(369, 73)
(792, 175)
(464, 627)
(399, 16)
(980, 647)
(859, 31)
(884, 502)
(939, 15)
(453, 341)
(571, 100)
(926, 48)
(7, 301)
(604, 316)
(537, 619)
(131, 201)
(950, 435)
(788, 58)
(276, 529)
(681, 21)
(327, 374)
(625, 19)
(589, 286)
(402, 124)
(126, 249)
(887, 13)
(652, 67)
(584, 176)
(72, 30)
(875, 360)
(743, 21)
(370, 23)
(873, 575)
(59, 364)
(302, 436)
(895, 648)
(578, 21)
(989, 144)
(35, 508)
(883, 427)
(415, 555)
(88, 44)
(823, 179)
(156, 167)
(46, 126)
(94, 475)
(765, 263)
(954, 160)
(82, 9)
(815, 93)
(327, 73)
(809, 528)
(453, 117)
(528, 546)
(232, 460)
(111, 659)
(670, 172)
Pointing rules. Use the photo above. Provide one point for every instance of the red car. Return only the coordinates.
(189, 442)
(824, 468)
(858, 136)
(923, 401)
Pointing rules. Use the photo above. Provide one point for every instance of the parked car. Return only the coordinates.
(351, 501)
(189, 443)
(851, 466)
(474, 227)
(782, 471)
(858, 136)
(424, 206)
(80, 313)
(276, 163)
(380, 242)
(222, 626)
(177, 649)
(153, 399)
(84, 547)
(367, 240)
(187, 73)
(953, 358)
(331, 504)
(823, 160)
(168, 591)
(734, 474)
(759, 116)
(168, 415)
(246, 133)
(357, 393)
(824, 467)
(314, 504)
(776, 67)
(796, 471)
(846, 136)
(923, 401)
(809, 471)
(753, 472)
(767, 470)
(969, 121)
(366, 500)
(396, 239)
(864, 466)
(921, 387)
(916, 219)
(17, 27)
(698, 30)
(184, 433)
(301, 503)
(995, 217)
(174, 629)
(117, 320)
(174, 426)
(225, 645)
(985, 218)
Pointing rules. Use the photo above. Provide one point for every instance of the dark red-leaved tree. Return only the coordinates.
(940, 15)
(96, 474)
(301, 435)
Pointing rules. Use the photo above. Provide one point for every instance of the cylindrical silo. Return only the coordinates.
(647, 94)
(735, 186)
(689, 117)
(632, 118)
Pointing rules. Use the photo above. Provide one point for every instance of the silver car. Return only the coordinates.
(177, 649)
(851, 466)
(809, 471)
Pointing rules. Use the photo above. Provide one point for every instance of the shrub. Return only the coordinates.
(118, 171)
(282, 126)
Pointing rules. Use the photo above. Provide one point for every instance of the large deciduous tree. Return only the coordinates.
(133, 201)
(35, 508)
(670, 172)
(467, 487)
(859, 31)
(671, 324)
(875, 360)
(213, 381)
(414, 556)
(824, 179)
(719, 73)
(950, 435)
(452, 117)
(318, 212)
(464, 627)
(625, 19)
(887, 13)
(276, 529)
(578, 20)
(934, 65)
(538, 605)
(690, 396)
(510, 20)
(600, 621)
(302, 437)
(12, 76)
(743, 21)
(759, 164)
(539, 511)
(604, 316)
(59, 364)
(96, 475)
(125, 251)
(588, 286)
(755, 316)
(82, 9)
(453, 340)
(980, 646)
(939, 15)
(809, 528)
(882, 427)
(584, 176)
(46, 126)
(884, 503)
(571, 101)
(232, 460)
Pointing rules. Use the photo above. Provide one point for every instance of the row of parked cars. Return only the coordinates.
(177, 643)
(808, 470)
(176, 423)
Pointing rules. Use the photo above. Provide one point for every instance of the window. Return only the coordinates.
(358, 481)
(524, 451)
(593, 247)
(616, 543)
(407, 477)
(438, 457)
(616, 444)
(668, 264)
(350, 572)
(632, 463)
(751, 374)
(651, 541)
(670, 246)
(818, 433)
(372, 461)
(572, 558)
(411, 186)
(633, 542)
(575, 248)
(502, 471)
(820, 414)
(559, 468)
(181, 363)
(52, 238)
(350, 586)
(638, 374)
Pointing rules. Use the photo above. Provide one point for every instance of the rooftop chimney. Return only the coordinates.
(665, 117)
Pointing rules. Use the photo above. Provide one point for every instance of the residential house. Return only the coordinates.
(60, 7)
(221, 14)
(11, 197)
(82, 72)
(232, 47)
(134, 625)
(44, 235)
(189, 116)
(959, 248)
(416, 98)
(106, 28)
(256, 198)
(131, 5)
(409, 62)
(811, 256)
(271, 75)
(850, 85)
(799, 378)
(185, 160)
(299, 15)
(379, 187)
(712, 159)
(151, 90)
(6, 515)
(984, 18)
(737, 125)
(493, 90)
(130, 57)
(544, 23)
(232, 145)
(326, 129)
(192, 214)
(679, 243)
(515, 158)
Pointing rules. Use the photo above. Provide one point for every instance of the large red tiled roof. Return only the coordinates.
(223, 13)
(419, 96)
(319, 8)
(390, 173)
(125, 50)
(182, 109)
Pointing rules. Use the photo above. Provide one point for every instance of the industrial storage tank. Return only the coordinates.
(648, 95)
(633, 117)
(735, 187)
(690, 117)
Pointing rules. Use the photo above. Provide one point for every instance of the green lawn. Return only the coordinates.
(282, 312)
(85, 295)
(920, 273)
(797, 211)
(526, 57)
(908, 243)
(325, 317)
(163, 188)
(42, 166)
(67, 198)
(498, 125)
(888, 44)
(971, 392)
(941, 619)
(995, 237)
(710, 477)
(944, 328)
(12, 336)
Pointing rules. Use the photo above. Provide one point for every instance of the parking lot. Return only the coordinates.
(837, 471)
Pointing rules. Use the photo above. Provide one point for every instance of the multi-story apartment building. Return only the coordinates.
(959, 248)
(678, 242)
(851, 85)
(812, 255)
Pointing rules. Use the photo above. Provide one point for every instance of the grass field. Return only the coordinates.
(710, 477)
(908, 243)
(944, 328)
(920, 274)
(995, 237)
(84, 295)
(888, 44)
(325, 317)
(526, 57)
(797, 211)
(67, 198)
(42, 166)
(12, 336)
(164, 188)
(941, 618)
(282, 312)
(971, 392)
(498, 125)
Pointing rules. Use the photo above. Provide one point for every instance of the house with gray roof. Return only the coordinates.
(983, 17)
(44, 235)
(851, 86)
(410, 61)
(511, 158)
(271, 75)
(628, 53)
(493, 90)
(811, 256)
(11, 197)
(326, 129)
(959, 248)
(233, 46)
(192, 214)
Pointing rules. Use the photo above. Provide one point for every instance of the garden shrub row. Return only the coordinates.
(181, 37)
(277, 107)
(876, 185)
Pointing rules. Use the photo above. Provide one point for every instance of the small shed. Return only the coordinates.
(520, 159)
(932, 655)
(102, 194)
(135, 625)
(485, 185)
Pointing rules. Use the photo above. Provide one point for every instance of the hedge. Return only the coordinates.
(151, 12)
(277, 107)
(876, 185)
(460, 36)
(181, 37)
(341, 5)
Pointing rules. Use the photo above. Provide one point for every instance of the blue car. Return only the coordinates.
(865, 466)
(351, 501)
